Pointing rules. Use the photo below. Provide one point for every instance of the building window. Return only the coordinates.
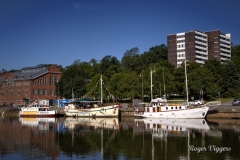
(51, 80)
(10, 81)
(55, 79)
(51, 92)
(34, 91)
(44, 92)
(39, 91)
(44, 80)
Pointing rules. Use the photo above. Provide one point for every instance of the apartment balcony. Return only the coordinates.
(201, 43)
(202, 48)
(201, 38)
(202, 57)
(224, 58)
(229, 51)
(200, 61)
(226, 55)
(228, 42)
(200, 33)
(226, 37)
(200, 52)
(224, 45)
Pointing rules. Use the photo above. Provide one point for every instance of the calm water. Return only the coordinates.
(111, 138)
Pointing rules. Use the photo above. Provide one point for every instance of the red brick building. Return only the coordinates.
(29, 84)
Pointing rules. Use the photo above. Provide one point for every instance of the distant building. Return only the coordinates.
(198, 47)
(31, 83)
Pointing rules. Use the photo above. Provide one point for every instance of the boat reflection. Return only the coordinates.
(40, 123)
(164, 127)
(91, 123)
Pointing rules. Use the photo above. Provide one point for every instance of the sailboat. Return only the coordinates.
(160, 108)
(91, 108)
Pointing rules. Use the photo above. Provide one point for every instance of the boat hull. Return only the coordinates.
(107, 111)
(200, 113)
(35, 112)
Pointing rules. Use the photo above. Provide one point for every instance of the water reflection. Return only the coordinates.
(112, 138)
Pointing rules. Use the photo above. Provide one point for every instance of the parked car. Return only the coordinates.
(236, 102)
(195, 102)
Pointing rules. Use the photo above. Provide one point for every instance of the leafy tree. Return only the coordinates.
(107, 62)
(236, 56)
(155, 54)
(215, 67)
(231, 81)
(130, 59)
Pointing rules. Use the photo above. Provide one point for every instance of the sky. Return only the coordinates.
(59, 32)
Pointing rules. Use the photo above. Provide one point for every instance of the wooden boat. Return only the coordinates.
(73, 109)
(37, 110)
(91, 108)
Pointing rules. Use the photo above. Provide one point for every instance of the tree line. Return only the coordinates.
(130, 76)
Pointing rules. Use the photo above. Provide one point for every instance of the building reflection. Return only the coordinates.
(29, 136)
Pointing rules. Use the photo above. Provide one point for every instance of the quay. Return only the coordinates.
(224, 111)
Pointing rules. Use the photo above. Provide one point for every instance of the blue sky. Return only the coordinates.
(59, 32)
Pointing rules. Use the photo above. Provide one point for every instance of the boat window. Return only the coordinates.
(171, 107)
(166, 108)
(175, 107)
(180, 107)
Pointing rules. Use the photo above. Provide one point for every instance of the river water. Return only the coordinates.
(112, 138)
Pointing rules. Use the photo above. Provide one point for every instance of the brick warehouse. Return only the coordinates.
(29, 84)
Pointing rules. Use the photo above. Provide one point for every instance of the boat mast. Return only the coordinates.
(186, 79)
(151, 83)
(101, 91)
(164, 84)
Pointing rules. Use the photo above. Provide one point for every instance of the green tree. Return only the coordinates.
(236, 56)
(130, 59)
(231, 81)
(109, 66)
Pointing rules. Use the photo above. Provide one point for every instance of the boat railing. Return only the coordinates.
(213, 103)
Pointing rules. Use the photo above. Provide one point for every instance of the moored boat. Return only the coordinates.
(160, 108)
(36, 110)
(90, 109)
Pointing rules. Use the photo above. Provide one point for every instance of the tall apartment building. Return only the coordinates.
(198, 47)
(29, 84)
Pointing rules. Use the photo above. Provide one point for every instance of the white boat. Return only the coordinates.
(160, 108)
(93, 123)
(91, 108)
(41, 123)
(37, 110)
